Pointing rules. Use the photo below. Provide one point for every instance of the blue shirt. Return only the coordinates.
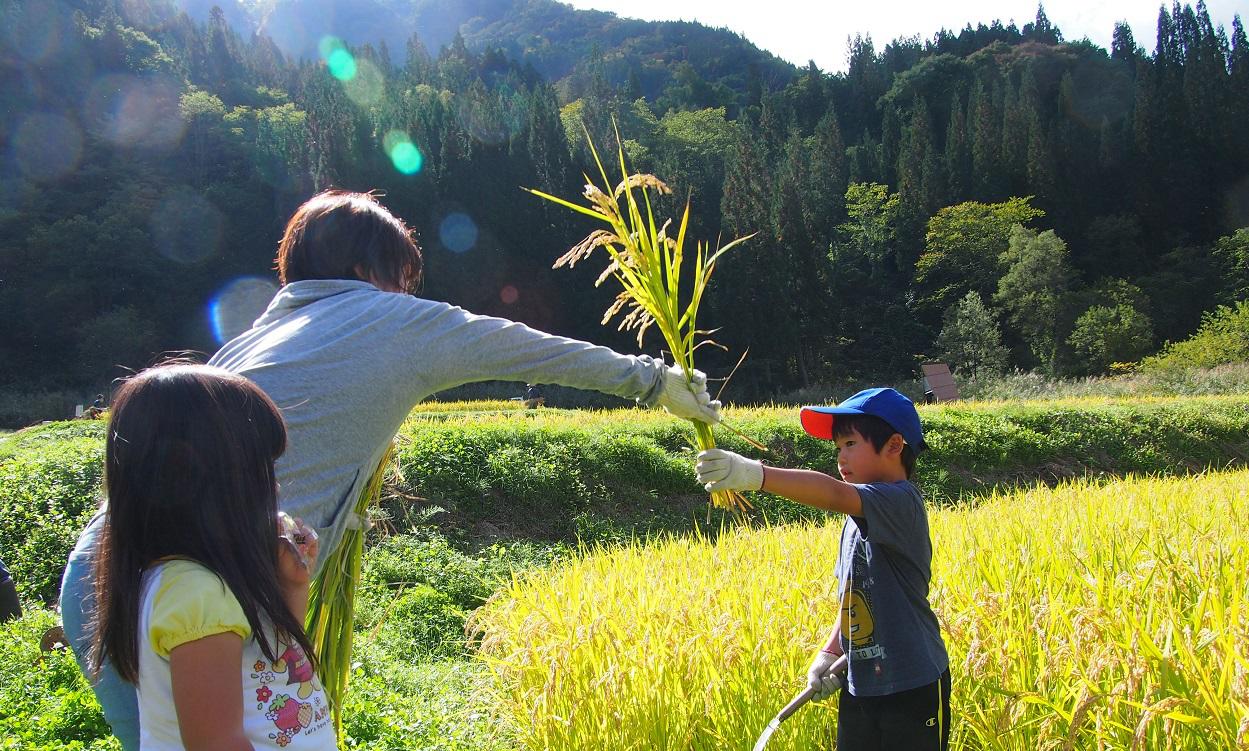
(885, 566)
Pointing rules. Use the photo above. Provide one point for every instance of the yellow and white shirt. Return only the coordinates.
(284, 706)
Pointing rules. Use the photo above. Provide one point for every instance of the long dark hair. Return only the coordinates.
(188, 469)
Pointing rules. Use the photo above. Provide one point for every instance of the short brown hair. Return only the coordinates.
(338, 234)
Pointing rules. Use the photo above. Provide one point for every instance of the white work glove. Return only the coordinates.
(689, 400)
(718, 470)
(824, 674)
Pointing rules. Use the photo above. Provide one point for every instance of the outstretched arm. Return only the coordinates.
(815, 489)
(446, 346)
(718, 469)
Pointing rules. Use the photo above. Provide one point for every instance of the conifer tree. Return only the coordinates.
(1014, 140)
(957, 153)
(985, 142)
(971, 340)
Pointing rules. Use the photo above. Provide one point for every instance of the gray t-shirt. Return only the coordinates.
(885, 565)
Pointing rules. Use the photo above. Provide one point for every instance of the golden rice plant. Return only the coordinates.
(1088, 616)
(647, 263)
(332, 598)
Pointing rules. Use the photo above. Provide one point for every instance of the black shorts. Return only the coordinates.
(914, 720)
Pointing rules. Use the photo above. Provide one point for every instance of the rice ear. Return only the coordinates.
(647, 262)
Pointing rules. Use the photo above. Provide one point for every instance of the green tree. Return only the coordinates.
(1232, 254)
(690, 152)
(957, 151)
(874, 330)
(871, 227)
(986, 141)
(1014, 139)
(1036, 279)
(971, 340)
(826, 189)
(113, 343)
(1104, 335)
(1222, 338)
(963, 247)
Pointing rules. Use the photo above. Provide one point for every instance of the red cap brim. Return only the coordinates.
(818, 424)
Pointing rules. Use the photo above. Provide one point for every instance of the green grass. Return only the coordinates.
(45, 703)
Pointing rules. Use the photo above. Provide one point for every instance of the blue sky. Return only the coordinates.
(802, 30)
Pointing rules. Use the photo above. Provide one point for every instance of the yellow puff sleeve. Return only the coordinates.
(191, 602)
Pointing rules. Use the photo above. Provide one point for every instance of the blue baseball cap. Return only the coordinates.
(885, 403)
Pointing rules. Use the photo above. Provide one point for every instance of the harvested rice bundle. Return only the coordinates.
(332, 598)
(647, 261)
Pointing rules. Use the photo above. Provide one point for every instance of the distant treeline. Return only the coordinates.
(997, 197)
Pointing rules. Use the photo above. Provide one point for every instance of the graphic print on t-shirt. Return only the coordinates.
(858, 624)
(290, 716)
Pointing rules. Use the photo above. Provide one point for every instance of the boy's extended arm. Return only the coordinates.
(718, 469)
(815, 489)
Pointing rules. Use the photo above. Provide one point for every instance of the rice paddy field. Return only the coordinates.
(1086, 616)
(547, 579)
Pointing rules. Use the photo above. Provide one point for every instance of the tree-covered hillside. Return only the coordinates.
(997, 196)
(561, 43)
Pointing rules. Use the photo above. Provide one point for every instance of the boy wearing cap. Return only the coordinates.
(898, 679)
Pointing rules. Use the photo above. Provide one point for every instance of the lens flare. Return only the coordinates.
(135, 112)
(47, 146)
(509, 295)
(458, 232)
(495, 122)
(237, 304)
(339, 60)
(186, 227)
(328, 44)
(404, 154)
(407, 158)
(366, 86)
(342, 65)
(35, 31)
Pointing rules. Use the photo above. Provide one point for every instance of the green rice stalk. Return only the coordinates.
(647, 263)
(332, 597)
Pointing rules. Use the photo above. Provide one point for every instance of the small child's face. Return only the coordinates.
(859, 461)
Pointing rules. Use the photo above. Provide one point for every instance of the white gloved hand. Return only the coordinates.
(718, 470)
(823, 675)
(689, 400)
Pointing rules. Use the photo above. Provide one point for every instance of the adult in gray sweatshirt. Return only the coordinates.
(346, 351)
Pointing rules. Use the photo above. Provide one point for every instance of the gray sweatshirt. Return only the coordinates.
(346, 362)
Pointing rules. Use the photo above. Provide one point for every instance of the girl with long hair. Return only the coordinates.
(200, 600)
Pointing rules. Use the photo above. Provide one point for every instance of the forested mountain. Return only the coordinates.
(566, 46)
(996, 196)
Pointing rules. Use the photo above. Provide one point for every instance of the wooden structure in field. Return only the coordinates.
(939, 382)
